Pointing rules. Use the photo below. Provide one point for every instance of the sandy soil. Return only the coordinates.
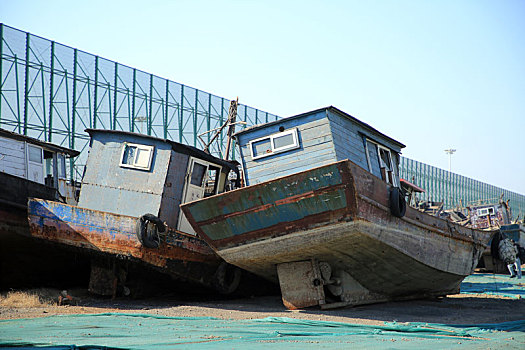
(457, 309)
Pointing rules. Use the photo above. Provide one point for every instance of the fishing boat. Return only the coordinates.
(323, 215)
(128, 211)
(29, 168)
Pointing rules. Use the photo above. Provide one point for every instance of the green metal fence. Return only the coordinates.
(453, 189)
(54, 92)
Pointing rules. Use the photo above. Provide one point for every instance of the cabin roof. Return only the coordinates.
(47, 145)
(329, 108)
(178, 147)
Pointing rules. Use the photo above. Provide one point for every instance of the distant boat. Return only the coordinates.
(128, 210)
(324, 216)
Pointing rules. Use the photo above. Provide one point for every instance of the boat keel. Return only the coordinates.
(311, 283)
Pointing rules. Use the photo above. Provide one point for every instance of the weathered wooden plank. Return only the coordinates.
(14, 171)
(290, 165)
(376, 136)
(287, 123)
(315, 145)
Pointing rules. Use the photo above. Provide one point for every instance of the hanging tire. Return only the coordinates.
(227, 278)
(398, 205)
(149, 238)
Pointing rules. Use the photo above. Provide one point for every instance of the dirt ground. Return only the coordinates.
(455, 309)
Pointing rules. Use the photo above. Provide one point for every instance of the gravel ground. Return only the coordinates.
(456, 309)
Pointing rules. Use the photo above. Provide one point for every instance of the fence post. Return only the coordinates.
(150, 114)
(1, 62)
(115, 83)
(26, 86)
(195, 118)
(74, 111)
(133, 100)
(166, 110)
(181, 112)
(95, 95)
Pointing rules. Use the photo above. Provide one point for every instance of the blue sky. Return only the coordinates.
(431, 74)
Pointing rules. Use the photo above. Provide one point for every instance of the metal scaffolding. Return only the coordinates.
(54, 92)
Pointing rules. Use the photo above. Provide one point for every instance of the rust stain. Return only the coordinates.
(190, 249)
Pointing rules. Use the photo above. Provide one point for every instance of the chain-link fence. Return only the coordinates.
(456, 190)
(54, 92)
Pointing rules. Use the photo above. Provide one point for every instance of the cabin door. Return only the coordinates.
(193, 189)
(35, 164)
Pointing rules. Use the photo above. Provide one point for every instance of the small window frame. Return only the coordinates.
(148, 148)
(486, 211)
(61, 166)
(275, 150)
(393, 168)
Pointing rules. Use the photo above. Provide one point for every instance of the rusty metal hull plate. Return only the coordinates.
(111, 233)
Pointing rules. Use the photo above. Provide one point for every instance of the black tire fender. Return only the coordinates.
(227, 278)
(149, 239)
(398, 204)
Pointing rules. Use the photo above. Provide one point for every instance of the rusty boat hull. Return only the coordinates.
(104, 234)
(336, 215)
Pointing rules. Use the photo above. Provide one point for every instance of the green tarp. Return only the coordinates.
(492, 284)
(131, 331)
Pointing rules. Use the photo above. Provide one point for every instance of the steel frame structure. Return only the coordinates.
(54, 92)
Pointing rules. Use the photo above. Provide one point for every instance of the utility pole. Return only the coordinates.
(450, 152)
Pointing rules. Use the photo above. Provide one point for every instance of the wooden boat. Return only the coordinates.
(331, 232)
(128, 211)
(103, 234)
(29, 168)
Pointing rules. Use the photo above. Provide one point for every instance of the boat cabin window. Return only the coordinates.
(386, 165)
(276, 143)
(136, 156)
(197, 175)
(35, 154)
(49, 164)
(212, 180)
(486, 211)
(61, 161)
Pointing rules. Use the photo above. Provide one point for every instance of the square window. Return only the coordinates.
(35, 154)
(283, 141)
(61, 161)
(136, 156)
(197, 174)
(129, 155)
(261, 147)
(276, 143)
